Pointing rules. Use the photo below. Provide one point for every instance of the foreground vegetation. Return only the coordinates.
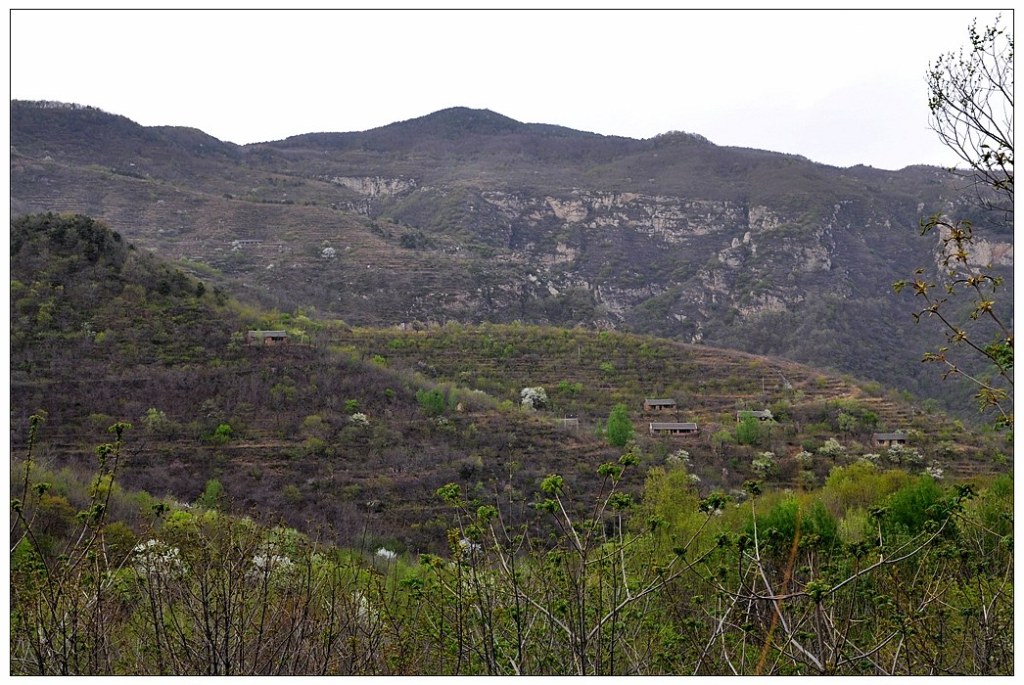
(876, 572)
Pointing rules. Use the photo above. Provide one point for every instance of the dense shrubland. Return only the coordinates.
(877, 572)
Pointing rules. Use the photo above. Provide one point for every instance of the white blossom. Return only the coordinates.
(764, 463)
(272, 562)
(154, 556)
(900, 454)
(678, 457)
(832, 449)
(469, 546)
(387, 554)
(534, 398)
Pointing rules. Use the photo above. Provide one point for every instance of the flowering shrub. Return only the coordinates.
(901, 454)
(154, 557)
(272, 562)
(805, 459)
(764, 464)
(534, 398)
(832, 449)
(678, 457)
(470, 547)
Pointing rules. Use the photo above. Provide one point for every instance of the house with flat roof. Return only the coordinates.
(889, 439)
(666, 428)
(266, 337)
(659, 405)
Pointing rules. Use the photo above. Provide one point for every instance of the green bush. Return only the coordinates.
(748, 432)
(213, 495)
(914, 504)
(619, 429)
(222, 434)
(432, 401)
(789, 520)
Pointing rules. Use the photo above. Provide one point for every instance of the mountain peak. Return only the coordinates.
(459, 121)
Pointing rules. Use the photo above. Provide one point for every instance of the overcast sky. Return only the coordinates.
(841, 87)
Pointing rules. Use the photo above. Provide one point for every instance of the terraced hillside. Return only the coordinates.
(585, 374)
(351, 431)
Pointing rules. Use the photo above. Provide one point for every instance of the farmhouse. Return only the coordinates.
(658, 405)
(245, 242)
(266, 337)
(890, 439)
(759, 414)
(673, 429)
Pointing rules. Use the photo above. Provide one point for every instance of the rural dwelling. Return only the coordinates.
(266, 337)
(759, 414)
(659, 405)
(673, 429)
(889, 439)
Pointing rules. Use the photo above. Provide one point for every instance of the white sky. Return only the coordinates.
(841, 87)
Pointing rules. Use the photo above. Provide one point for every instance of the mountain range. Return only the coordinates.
(469, 216)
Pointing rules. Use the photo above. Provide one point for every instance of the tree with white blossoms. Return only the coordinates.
(764, 464)
(903, 455)
(832, 449)
(678, 457)
(534, 398)
(156, 557)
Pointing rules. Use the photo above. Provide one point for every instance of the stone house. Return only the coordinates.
(266, 337)
(653, 405)
(673, 428)
(889, 439)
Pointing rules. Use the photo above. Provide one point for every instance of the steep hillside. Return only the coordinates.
(353, 430)
(467, 215)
